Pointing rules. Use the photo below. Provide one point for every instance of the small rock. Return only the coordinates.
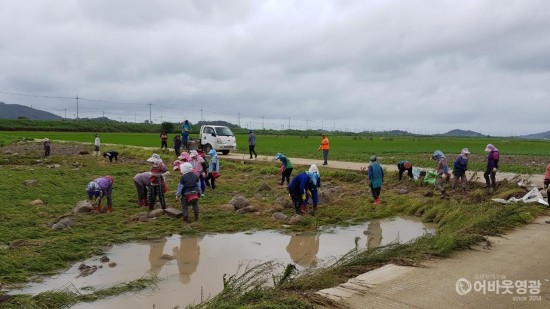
(54, 166)
(37, 202)
(104, 259)
(245, 210)
(173, 212)
(30, 182)
(279, 216)
(156, 213)
(83, 207)
(429, 194)
(277, 208)
(64, 223)
(84, 152)
(264, 187)
(112, 264)
(284, 201)
(144, 218)
(166, 257)
(403, 191)
(239, 202)
(86, 270)
(295, 219)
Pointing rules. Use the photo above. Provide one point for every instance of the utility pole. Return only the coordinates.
(263, 128)
(65, 113)
(239, 116)
(135, 117)
(77, 107)
(202, 119)
(289, 123)
(150, 113)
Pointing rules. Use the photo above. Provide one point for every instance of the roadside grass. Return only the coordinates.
(462, 221)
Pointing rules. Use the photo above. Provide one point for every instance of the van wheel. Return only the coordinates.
(225, 152)
(207, 148)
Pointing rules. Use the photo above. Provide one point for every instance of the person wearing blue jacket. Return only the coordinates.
(302, 187)
(376, 177)
(459, 169)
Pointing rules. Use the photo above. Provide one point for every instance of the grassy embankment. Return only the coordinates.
(462, 221)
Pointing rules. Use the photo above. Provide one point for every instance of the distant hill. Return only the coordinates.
(543, 135)
(462, 133)
(14, 111)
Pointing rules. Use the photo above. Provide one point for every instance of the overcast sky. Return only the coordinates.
(420, 66)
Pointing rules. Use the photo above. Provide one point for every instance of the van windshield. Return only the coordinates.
(224, 131)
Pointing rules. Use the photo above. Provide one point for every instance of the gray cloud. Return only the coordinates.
(425, 66)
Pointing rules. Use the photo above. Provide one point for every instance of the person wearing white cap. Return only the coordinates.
(158, 186)
(459, 169)
(189, 191)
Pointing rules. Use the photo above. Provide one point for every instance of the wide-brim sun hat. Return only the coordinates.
(373, 158)
(154, 158)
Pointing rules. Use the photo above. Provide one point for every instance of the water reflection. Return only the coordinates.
(199, 263)
(303, 249)
(374, 234)
(156, 256)
(187, 256)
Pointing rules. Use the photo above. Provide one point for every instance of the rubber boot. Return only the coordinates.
(303, 209)
(377, 201)
(97, 209)
(196, 216)
(186, 219)
(110, 209)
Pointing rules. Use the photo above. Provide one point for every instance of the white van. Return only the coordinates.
(220, 138)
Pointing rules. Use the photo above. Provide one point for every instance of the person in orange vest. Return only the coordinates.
(325, 147)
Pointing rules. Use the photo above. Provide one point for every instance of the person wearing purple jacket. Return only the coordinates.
(492, 166)
(97, 189)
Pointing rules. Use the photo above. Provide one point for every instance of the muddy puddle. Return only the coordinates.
(191, 268)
